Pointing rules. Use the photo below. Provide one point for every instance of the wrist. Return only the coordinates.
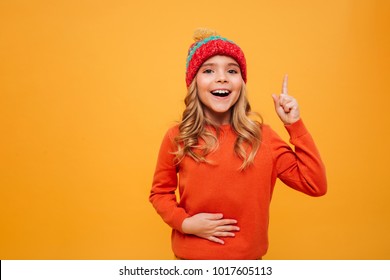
(296, 129)
(185, 225)
(291, 122)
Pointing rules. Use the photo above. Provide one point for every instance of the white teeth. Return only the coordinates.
(220, 91)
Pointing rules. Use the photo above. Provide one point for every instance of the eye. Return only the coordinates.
(207, 71)
(232, 71)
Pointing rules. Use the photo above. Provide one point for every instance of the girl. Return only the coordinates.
(224, 163)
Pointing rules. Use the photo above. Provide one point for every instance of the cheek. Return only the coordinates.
(200, 85)
(202, 79)
(238, 87)
(239, 83)
(236, 98)
(237, 93)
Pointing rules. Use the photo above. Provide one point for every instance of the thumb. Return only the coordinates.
(276, 100)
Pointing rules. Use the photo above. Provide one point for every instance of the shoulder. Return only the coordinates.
(267, 132)
(168, 140)
(265, 127)
(172, 132)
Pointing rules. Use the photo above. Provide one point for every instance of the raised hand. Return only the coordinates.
(210, 226)
(286, 106)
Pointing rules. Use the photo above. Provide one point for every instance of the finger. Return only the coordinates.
(216, 240)
(287, 109)
(285, 84)
(285, 99)
(228, 228)
(224, 234)
(291, 104)
(217, 216)
(226, 222)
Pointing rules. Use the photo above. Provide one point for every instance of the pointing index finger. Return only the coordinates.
(284, 87)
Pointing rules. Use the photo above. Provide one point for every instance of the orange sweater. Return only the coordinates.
(222, 188)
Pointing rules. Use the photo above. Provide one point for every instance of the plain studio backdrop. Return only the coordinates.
(88, 89)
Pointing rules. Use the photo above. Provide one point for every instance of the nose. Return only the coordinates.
(221, 77)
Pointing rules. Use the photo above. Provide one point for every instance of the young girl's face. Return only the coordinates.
(219, 83)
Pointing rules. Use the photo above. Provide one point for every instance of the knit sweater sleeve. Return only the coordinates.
(302, 170)
(162, 195)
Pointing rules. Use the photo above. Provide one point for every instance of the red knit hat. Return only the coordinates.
(207, 44)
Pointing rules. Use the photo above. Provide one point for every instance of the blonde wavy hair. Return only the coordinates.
(194, 123)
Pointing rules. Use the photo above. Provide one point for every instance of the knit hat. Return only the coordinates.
(207, 44)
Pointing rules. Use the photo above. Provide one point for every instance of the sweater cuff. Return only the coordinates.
(296, 129)
(177, 223)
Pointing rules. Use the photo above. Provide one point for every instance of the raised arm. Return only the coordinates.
(303, 168)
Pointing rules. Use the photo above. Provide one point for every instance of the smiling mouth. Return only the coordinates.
(221, 92)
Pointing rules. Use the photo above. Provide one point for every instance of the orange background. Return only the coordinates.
(88, 88)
